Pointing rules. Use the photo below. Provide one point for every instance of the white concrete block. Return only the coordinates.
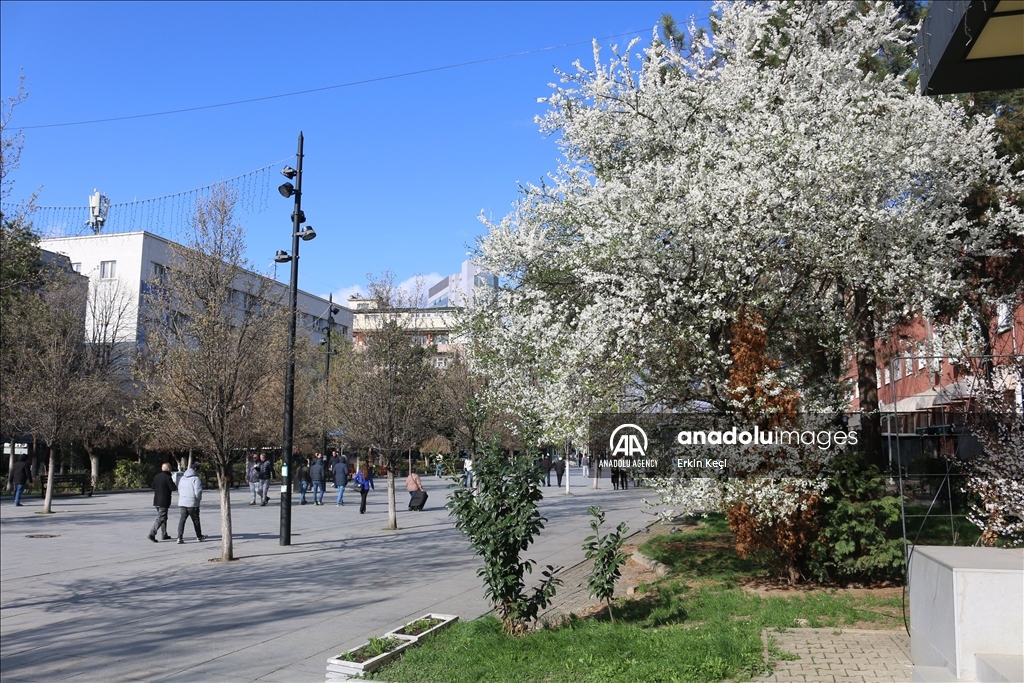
(965, 601)
(999, 668)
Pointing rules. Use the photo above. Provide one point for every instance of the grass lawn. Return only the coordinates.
(698, 624)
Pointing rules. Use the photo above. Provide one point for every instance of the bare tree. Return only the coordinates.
(214, 342)
(390, 385)
(54, 365)
(110, 329)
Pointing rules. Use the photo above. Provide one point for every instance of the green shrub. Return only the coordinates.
(857, 540)
(129, 474)
(606, 551)
(501, 520)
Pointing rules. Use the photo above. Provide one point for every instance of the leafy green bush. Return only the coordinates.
(501, 520)
(857, 540)
(606, 551)
(129, 474)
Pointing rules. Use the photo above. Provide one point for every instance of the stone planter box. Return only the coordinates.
(341, 669)
(446, 621)
(338, 668)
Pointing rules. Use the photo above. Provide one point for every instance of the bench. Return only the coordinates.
(82, 482)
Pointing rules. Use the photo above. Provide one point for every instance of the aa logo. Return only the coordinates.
(631, 442)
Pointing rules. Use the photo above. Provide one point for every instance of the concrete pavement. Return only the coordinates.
(100, 602)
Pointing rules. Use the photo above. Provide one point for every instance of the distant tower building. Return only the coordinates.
(458, 289)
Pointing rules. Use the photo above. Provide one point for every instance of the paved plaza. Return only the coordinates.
(840, 655)
(100, 602)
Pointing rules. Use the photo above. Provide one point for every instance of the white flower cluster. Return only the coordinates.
(769, 499)
(765, 169)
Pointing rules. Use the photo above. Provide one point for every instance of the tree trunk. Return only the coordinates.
(227, 550)
(392, 511)
(48, 501)
(94, 465)
(867, 379)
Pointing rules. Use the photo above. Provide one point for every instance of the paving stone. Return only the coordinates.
(843, 656)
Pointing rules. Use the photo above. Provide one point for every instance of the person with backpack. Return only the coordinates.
(364, 477)
(318, 474)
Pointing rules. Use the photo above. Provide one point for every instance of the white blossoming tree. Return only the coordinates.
(768, 167)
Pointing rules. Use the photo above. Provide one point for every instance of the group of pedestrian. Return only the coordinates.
(314, 475)
(546, 464)
(258, 475)
(190, 495)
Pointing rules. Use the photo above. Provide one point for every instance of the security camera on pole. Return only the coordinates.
(298, 218)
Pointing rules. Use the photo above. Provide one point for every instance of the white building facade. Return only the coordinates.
(121, 266)
(459, 289)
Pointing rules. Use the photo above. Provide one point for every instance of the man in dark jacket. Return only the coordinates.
(318, 473)
(162, 487)
(339, 468)
(20, 475)
(545, 466)
(560, 470)
(265, 469)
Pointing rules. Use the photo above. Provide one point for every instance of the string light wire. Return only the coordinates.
(349, 84)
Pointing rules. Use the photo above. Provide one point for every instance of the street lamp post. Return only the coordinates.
(307, 233)
(331, 310)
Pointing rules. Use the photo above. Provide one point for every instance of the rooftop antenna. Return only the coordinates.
(98, 208)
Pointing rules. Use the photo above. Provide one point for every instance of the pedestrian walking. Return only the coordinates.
(20, 475)
(364, 477)
(586, 466)
(252, 476)
(190, 495)
(265, 470)
(560, 470)
(615, 478)
(467, 472)
(623, 479)
(339, 470)
(318, 474)
(545, 465)
(302, 476)
(163, 485)
(439, 466)
(413, 484)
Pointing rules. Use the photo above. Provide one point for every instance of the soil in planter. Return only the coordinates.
(414, 628)
(375, 648)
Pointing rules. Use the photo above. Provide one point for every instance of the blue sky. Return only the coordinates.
(396, 172)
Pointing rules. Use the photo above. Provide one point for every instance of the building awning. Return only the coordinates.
(972, 45)
(923, 401)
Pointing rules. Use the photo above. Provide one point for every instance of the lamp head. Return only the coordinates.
(307, 233)
(323, 342)
(289, 172)
(282, 256)
(286, 190)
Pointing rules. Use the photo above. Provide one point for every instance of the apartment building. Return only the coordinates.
(123, 265)
(460, 289)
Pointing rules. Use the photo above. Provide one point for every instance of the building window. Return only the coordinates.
(887, 376)
(921, 362)
(159, 273)
(77, 267)
(910, 365)
(108, 270)
(898, 369)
